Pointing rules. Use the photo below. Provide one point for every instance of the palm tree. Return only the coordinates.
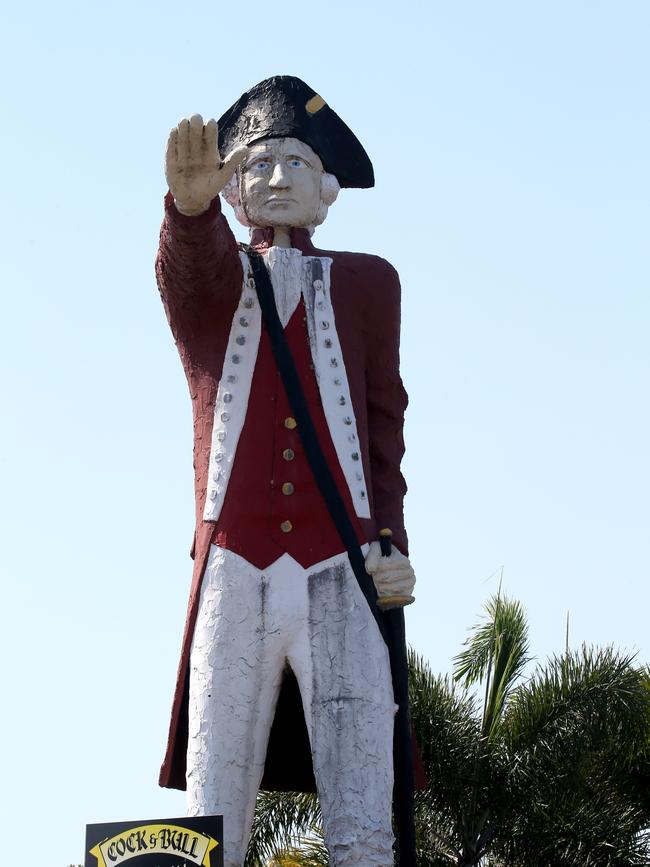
(553, 771)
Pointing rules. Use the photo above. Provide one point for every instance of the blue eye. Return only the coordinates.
(296, 163)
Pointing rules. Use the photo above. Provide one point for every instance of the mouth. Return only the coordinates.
(279, 200)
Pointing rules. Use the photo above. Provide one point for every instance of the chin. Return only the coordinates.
(280, 218)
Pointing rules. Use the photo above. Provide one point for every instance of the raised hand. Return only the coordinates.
(193, 167)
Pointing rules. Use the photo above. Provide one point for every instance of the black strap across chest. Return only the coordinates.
(307, 431)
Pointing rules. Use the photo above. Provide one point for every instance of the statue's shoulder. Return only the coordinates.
(364, 270)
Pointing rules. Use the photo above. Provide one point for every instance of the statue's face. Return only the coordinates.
(280, 183)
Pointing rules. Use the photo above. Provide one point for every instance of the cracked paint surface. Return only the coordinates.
(251, 625)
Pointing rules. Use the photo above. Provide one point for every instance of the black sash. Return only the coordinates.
(391, 623)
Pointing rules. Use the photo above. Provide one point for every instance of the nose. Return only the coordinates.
(280, 177)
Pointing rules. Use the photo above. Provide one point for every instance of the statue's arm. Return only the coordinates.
(386, 402)
(393, 574)
(198, 266)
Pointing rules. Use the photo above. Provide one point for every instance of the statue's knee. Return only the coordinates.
(353, 845)
(361, 855)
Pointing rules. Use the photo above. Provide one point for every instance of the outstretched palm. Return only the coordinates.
(193, 167)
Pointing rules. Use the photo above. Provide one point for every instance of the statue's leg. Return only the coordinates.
(342, 666)
(236, 666)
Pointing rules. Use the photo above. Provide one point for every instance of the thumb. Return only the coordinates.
(373, 557)
(230, 163)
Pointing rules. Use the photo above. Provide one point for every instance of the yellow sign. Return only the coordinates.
(158, 839)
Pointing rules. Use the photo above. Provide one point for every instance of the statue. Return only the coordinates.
(277, 616)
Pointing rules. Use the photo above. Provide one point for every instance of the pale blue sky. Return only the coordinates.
(510, 143)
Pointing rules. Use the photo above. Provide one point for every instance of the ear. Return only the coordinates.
(231, 191)
(232, 195)
(329, 188)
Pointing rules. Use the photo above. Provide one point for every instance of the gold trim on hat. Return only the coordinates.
(315, 104)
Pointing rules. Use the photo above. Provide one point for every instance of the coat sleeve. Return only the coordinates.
(386, 403)
(198, 270)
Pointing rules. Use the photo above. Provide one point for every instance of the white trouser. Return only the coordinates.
(251, 624)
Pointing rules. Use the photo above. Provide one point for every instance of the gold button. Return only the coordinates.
(287, 489)
(288, 454)
(290, 423)
(286, 526)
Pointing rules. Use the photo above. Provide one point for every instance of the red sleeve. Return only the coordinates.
(386, 401)
(198, 269)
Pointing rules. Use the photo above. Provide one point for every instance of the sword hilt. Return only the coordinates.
(386, 541)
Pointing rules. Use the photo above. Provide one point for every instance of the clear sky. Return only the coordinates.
(510, 142)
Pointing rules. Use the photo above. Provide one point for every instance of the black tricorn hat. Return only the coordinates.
(286, 107)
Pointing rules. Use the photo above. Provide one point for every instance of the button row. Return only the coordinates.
(341, 400)
(231, 378)
(288, 454)
(216, 471)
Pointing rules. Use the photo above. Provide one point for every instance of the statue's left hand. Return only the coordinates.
(393, 576)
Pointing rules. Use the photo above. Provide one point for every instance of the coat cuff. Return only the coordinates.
(185, 223)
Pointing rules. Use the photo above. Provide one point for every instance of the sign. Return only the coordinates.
(156, 843)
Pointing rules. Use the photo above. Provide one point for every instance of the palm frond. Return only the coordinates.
(452, 817)
(306, 853)
(282, 822)
(576, 832)
(498, 650)
(595, 692)
(576, 736)
(445, 719)
(435, 835)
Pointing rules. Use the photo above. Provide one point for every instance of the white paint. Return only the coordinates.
(333, 383)
(292, 275)
(233, 393)
(287, 275)
(252, 623)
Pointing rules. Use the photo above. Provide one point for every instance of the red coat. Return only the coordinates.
(200, 279)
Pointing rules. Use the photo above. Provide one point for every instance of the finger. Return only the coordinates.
(211, 138)
(389, 581)
(396, 556)
(395, 588)
(171, 156)
(234, 159)
(392, 568)
(184, 141)
(196, 137)
(405, 587)
(372, 558)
